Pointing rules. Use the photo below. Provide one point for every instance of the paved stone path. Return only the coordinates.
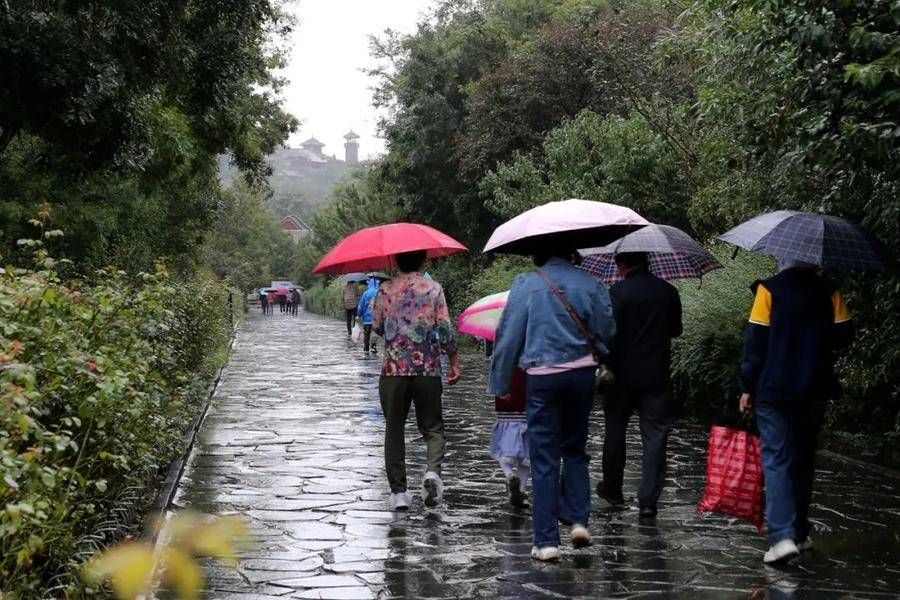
(293, 442)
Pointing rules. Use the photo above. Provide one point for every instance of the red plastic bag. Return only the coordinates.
(734, 477)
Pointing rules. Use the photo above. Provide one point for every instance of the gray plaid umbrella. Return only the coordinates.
(673, 254)
(354, 277)
(809, 237)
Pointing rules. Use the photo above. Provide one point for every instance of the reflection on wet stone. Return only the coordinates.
(293, 442)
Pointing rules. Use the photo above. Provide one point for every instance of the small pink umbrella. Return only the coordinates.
(574, 223)
(482, 318)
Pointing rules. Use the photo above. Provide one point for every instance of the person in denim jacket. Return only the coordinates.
(538, 335)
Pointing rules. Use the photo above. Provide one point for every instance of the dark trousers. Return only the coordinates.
(350, 313)
(788, 434)
(656, 415)
(367, 336)
(397, 395)
(558, 408)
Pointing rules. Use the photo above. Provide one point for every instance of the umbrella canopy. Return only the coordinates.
(813, 238)
(482, 318)
(379, 275)
(355, 277)
(283, 291)
(575, 223)
(375, 247)
(673, 254)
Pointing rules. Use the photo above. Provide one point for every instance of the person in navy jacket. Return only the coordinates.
(797, 324)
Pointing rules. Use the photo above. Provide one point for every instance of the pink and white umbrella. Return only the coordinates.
(482, 318)
(573, 223)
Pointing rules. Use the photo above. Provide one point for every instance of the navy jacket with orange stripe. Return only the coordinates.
(797, 324)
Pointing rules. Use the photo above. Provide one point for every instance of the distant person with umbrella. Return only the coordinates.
(364, 314)
(798, 324)
(295, 301)
(648, 316)
(351, 302)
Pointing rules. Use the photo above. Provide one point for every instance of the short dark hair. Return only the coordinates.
(633, 259)
(408, 262)
(542, 255)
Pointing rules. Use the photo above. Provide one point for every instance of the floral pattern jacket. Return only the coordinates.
(411, 313)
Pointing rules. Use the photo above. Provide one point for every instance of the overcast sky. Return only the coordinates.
(327, 90)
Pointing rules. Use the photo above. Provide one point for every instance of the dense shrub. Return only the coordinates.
(99, 378)
(325, 298)
(706, 357)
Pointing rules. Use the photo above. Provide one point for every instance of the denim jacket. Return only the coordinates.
(537, 331)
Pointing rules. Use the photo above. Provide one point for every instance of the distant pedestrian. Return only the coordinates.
(272, 298)
(351, 303)
(364, 314)
(295, 301)
(282, 301)
(408, 310)
(648, 315)
(556, 326)
(798, 323)
(264, 302)
(509, 440)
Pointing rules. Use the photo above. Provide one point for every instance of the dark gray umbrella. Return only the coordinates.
(673, 254)
(809, 237)
(355, 277)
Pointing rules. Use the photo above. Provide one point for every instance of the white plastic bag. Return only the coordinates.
(356, 334)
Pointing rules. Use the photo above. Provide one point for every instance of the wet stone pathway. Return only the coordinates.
(293, 443)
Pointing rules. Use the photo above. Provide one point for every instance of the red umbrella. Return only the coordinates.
(375, 247)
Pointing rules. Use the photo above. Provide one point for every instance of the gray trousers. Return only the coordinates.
(397, 395)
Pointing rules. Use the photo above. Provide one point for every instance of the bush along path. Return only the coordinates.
(293, 443)
(99, 378)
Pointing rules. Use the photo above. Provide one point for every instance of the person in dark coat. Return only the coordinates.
(648, 315)
(798, 323)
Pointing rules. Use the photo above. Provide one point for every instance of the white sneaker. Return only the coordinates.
(780, 552)
(400, 501)
(805, 545)
(432, 489)
(546, 554)
(579, 535)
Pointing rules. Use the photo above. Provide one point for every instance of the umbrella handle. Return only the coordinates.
(735, 253)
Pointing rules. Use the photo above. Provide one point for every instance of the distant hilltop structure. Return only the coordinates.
(303, 178)
(310, 154)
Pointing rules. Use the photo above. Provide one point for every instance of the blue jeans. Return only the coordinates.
(788, 433)
(558, 408)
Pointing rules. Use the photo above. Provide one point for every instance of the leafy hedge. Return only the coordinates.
(325, 298)
(99, 378)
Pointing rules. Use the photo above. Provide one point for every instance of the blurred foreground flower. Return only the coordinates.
(135, 568)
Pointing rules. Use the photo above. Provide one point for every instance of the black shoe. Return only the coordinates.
(517, 498)
(647, 513)
(614, 500)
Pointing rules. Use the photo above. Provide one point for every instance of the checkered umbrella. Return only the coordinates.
(809, 237)
(673, 254)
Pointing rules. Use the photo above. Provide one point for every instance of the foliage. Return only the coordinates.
(100, 375)
(116, 114)
(246, 245)
(610, 159)
(604, 64)
(705, 357)
(325, 298)
(92, 78)
(132, 567)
